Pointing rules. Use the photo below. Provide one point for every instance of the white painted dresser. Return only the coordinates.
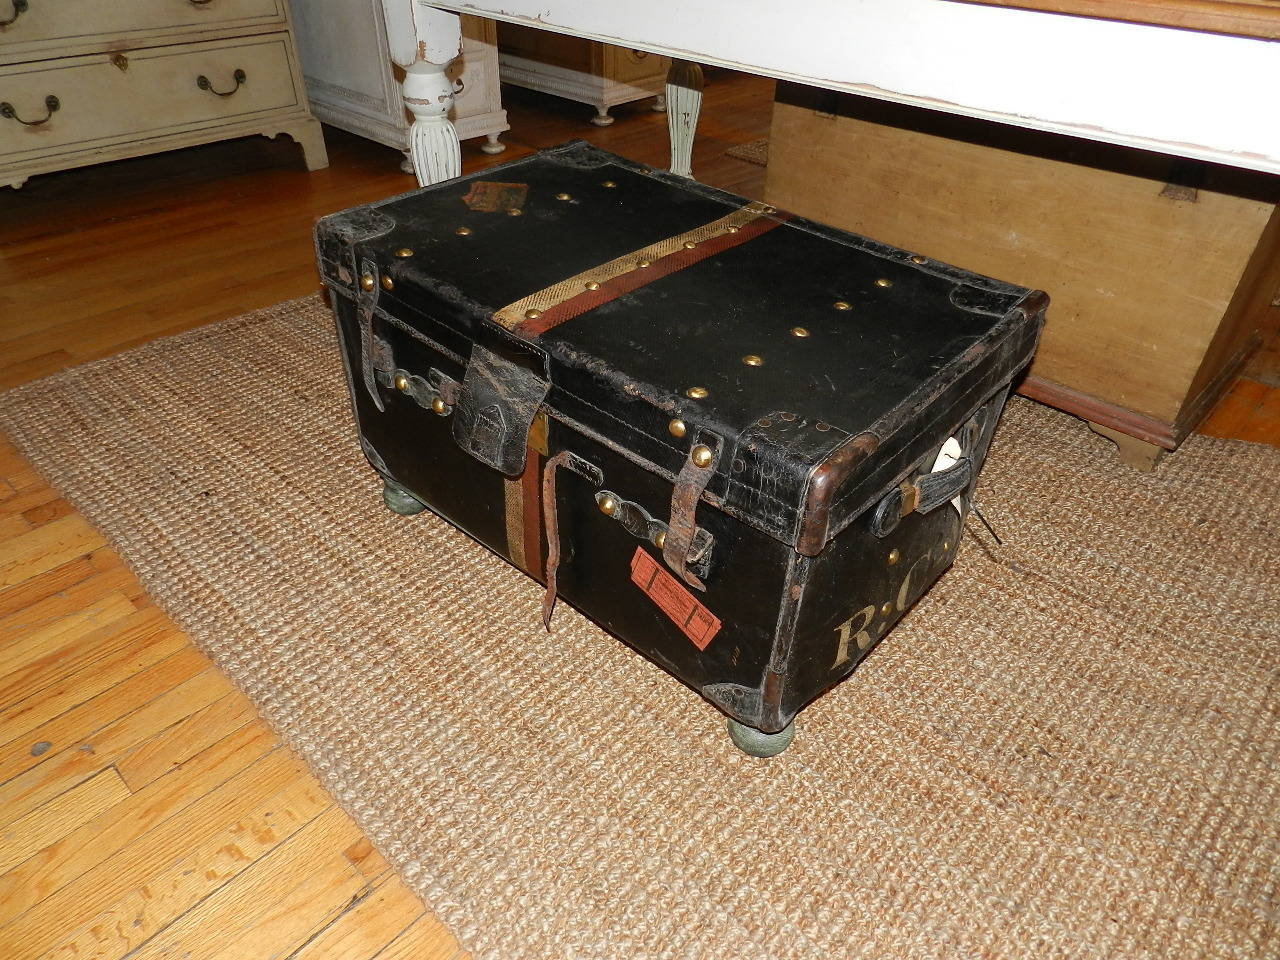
(343, 46)
(599, 74)
(83, 81)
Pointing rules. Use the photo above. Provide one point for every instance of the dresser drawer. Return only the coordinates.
(72, 24)
(153, 91)
(635, 66)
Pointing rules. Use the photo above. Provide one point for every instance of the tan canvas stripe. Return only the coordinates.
(514, 495)
(556, 294)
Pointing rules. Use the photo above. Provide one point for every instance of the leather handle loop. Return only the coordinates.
(935, 489)
(922, 495)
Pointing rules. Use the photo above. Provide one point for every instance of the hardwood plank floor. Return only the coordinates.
(145, 811)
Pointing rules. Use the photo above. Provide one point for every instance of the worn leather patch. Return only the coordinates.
(497, 404)
(489, 196)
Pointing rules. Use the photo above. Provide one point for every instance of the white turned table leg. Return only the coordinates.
(684, 101)
(425, 41)
(433, 141)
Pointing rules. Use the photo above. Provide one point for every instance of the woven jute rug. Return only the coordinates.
(754, 151)
(1069, 749)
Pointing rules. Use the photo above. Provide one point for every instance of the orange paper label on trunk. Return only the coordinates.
(698, 623)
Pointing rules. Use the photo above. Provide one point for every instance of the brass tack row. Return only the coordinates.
(367, 282)
(438, 406)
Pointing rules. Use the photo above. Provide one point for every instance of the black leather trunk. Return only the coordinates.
(742, 442)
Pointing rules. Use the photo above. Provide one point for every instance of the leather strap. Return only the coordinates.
(682, 527)
(550, 517)
(366, 300)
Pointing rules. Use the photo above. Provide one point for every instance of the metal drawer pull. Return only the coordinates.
(19, 8)
(203, 83)
(51, 103)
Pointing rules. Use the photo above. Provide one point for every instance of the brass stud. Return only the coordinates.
(532, 314)
(644, 263)
(946, 544)
(689, 244)
(609, 184)
(563, 196)
(732, 229)
(822, 427)
(842, 305)
(404, 252)
(799, 331)
(787, 416)
(660, 541)
(608, 506)
(388, 283)
(884, 282)
(894, 556)
(918, 259)
(401, 382)
(366, 282)
(769, 209)
(677, 428)
(439, 407)
(701, 456)
(592, 285)
(887, 609)
(514, 211)
(463, 231)
(696, 392)
(764, 422)
(751, 360)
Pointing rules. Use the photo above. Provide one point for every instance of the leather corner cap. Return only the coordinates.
(826, 479)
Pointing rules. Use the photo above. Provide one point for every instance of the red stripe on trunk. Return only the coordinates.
(642, 276)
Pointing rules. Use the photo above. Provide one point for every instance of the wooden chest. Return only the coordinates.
(742, 442)
(1161, 271)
